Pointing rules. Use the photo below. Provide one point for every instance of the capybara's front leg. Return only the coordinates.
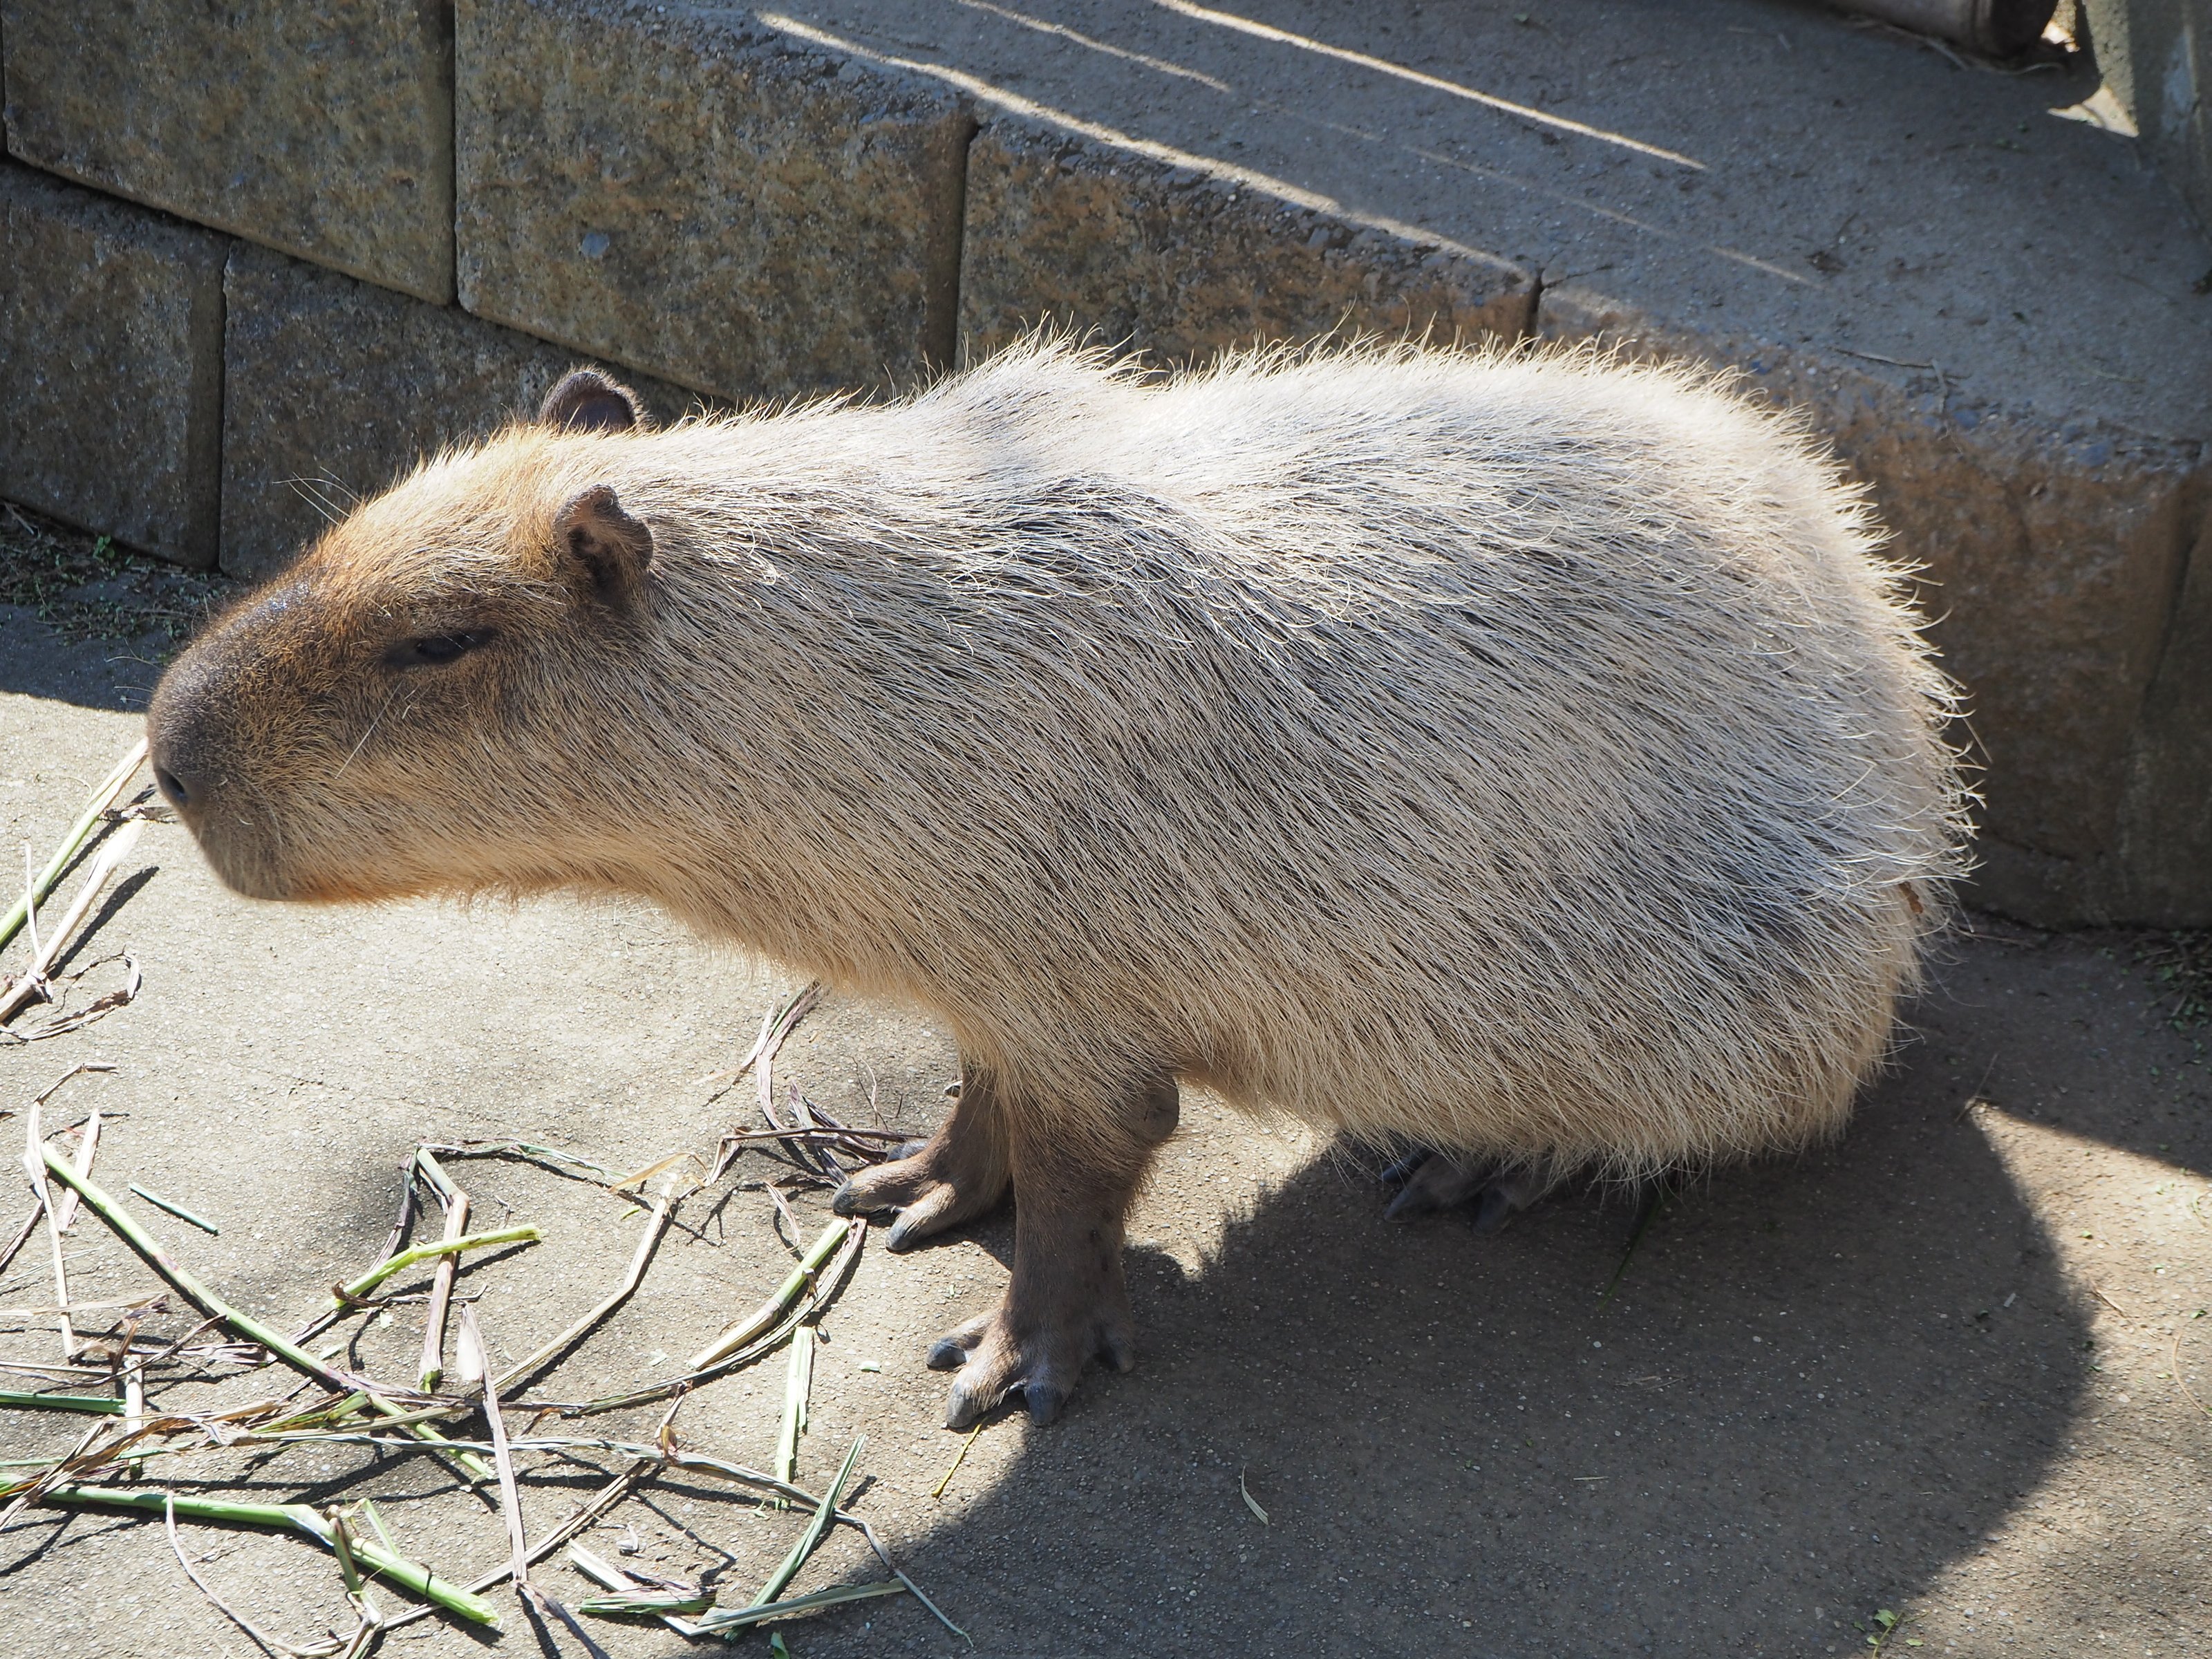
(959, 1173)
(1067, 1303)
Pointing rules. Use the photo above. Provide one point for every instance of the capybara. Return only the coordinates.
(1523, 757)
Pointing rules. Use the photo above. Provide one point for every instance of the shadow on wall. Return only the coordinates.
(1817, 1384)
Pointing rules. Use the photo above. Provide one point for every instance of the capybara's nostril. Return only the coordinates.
(174, 789)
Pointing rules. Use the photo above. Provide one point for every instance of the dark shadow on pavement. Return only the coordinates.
(1818, 1382)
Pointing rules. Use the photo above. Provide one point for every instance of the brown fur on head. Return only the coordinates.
(399, 703)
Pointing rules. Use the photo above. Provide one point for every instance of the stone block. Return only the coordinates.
(2050, 556)
(2155, 57)
(335, 388)
(2166, 816)
(1183, 263)
(699, 194)
(111, 324)
(320, 127)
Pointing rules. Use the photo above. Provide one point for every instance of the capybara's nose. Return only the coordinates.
(178, 732)
(178, 773)
(174, 787)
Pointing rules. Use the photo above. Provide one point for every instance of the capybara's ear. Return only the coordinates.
(609, 548)
(587, 401)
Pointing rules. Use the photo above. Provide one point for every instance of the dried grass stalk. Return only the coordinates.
(45, 882)
(656, 1228)
(30, 986)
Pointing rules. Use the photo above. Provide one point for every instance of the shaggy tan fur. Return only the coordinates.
(1527, 756)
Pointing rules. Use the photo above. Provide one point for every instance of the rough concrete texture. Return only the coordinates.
(686, 191)
(111, 322)
(1751, 182)
(2155, 57)
(333, 388)
(321, 127)
(1157, 257)
(1931, 1371)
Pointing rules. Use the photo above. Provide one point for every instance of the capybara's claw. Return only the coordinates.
(993, 1361)
(1400, 1171)
(1439, 1182)
(932, 1184)
(1428, 1182)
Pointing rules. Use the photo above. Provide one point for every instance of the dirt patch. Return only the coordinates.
(86, 588)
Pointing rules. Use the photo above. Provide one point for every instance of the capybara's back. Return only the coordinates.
(1524, 756)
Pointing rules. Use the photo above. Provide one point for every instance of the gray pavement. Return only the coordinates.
(1930, 1370)
(1761, 169)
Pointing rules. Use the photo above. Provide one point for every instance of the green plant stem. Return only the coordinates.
(353, 1289)
(770, 1311)
(98, 1403)
(295, 1517)
(150, 1251)
(48, 878)
(176, 1210)
(788, 1569)
(719, 1620)
(798, 1383)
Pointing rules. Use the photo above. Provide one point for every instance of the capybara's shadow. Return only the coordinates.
(1814, 1383)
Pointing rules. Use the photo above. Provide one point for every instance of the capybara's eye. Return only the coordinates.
(434, 648)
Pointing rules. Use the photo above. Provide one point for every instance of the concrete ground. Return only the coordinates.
(1930, 1370)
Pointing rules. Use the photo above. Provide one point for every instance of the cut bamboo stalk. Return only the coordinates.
(36, 1155)
(99, 1404)
(134, 1412)
(798, 1383)
(355, 1289)
(294, 1518)
(441, 1282)
(169, 1206)
(736, 1336)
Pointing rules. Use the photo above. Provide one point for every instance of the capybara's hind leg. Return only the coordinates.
(1067, 1303)
(957, 1174)
(1428, 1182)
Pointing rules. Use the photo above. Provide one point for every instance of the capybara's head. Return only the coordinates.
(416, 695)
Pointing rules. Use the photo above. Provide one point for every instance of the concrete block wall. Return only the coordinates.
(1161, 258)
(327, 237)
(334, 386)
(2156, 58)
(704, 197)
(2056, 563)
(322, 128)
(111, 323)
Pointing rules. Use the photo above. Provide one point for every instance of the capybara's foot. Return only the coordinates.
(928, 1189)
(1043, 1357)
(1429, 1182)
(957, 1175)
(1066, 1303)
